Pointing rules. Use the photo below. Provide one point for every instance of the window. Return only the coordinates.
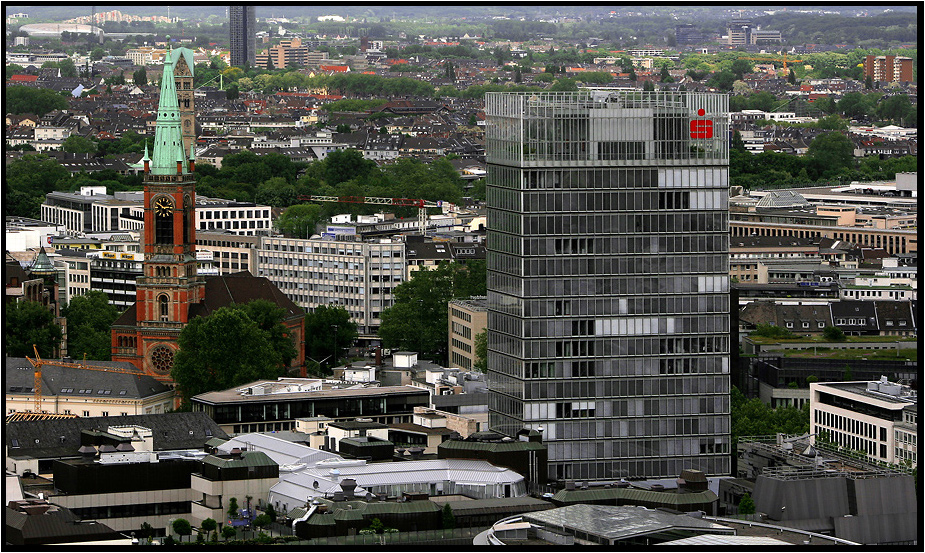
(805, 324)
(164, 310)
(86, 413)
(104, 414)
(789, 324)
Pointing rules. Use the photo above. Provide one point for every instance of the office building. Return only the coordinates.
(608, 292)
(876, 418)
(467, 318)
(243, 26)
(358, 276)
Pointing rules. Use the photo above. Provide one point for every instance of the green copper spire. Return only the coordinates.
(168, 136)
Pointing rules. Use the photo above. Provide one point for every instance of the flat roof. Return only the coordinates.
(233, 395)
(617, 523)
(860, 388)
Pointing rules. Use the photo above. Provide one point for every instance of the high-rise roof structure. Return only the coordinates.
(608, 300)
(243, 27)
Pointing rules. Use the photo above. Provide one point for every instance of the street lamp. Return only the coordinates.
(335, 344)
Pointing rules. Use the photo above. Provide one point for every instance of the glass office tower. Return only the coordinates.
(608, 294)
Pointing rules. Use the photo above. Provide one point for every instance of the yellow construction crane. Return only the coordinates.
(38, 362)
(422, 205)
(784, 59)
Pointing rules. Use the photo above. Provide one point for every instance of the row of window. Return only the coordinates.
(849, 424)
(232, 214)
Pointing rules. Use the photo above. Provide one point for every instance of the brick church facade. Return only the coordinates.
(170, 293)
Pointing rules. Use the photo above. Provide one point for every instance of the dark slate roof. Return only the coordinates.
(894, 311)
(51, 439)
(57, 525)
(224, 290)
(19, 377)
(855, 309)
(242, 287)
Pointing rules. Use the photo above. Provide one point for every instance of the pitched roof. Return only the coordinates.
(239, 288)
(70, 381)
(61, 438)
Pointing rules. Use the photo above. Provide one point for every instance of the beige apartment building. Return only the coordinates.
(467, 318)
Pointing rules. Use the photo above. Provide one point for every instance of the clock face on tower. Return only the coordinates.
(163, 206)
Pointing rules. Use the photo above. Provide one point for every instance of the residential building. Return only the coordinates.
(243, 29)
(890, 69)
(864, 416)
(467, 318)
(608, 299)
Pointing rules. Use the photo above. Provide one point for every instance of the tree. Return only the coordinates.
(300, 220)
(747, 505)
(855, 105)
(232, 93)
(848, 375)
(182, 527)
(448, 519)
(262, 521)
(209, 525)
(417, 320)
(740, 67)
(26, 323)
(229, 532)
(897, 109)
(89, 325)
(140, 77)
(22, 99)
(481, 352)
(834, 334)
(343, 165)
(664, 76)
(269, 318)
(722, 81)
(67, 68)
(791, 77)
(77, 144)
(225, 349)
(737, 142)
(233, 508)
(276, 192)
(271, 511)
(329, 331)
(831, 152)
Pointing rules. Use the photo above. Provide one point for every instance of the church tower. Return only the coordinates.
(169, 285)
(182, 59)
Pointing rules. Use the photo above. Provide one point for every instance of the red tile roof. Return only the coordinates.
(24, 78)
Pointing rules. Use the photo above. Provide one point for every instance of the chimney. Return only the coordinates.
(378, 356)
(416, 452)
(339, 495)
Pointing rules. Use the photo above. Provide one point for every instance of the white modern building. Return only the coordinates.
(359, 276)
(877, 418)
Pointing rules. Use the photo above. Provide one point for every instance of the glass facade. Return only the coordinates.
(608, 299)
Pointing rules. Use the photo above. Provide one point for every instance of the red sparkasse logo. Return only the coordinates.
(701, 128)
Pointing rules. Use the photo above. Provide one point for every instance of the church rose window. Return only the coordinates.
(162, 359)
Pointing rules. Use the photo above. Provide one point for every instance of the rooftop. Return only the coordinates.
(623, 522)
(287, 389)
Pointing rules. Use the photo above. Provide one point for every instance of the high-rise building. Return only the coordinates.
(608, 294)
(889, 69)
(243, 26)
